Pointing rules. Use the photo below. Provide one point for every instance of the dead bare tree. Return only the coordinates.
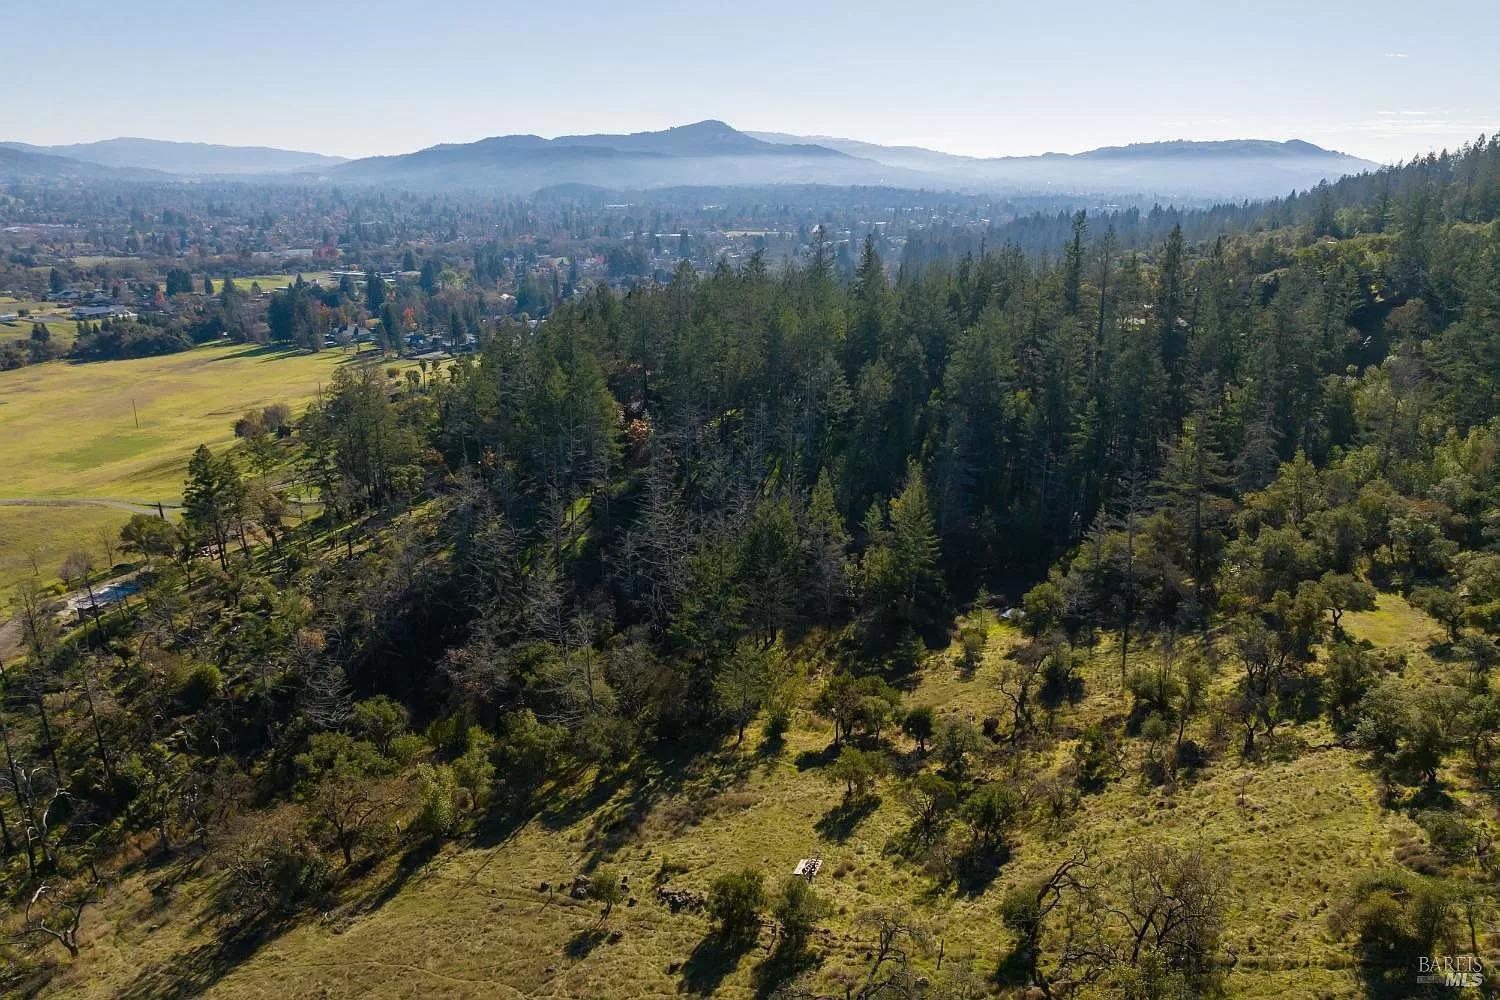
(40, 796)
(56, 912)
(897, 935)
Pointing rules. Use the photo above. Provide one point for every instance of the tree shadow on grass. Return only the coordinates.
(808, 759)
(193, 972)
(557, 810)
(266, 352)
(413, 862)
(1388, 977)
(786, 963)
(691, 774)
(585, 941)
(771, 745)
(840, 822)
(502, 822)
(977, 871)
(712, 960)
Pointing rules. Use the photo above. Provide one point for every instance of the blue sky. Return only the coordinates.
(1381, 79)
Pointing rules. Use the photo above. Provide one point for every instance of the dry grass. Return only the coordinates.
(1394, 624)
(33, 538)
(1295, 827)
(123, 430)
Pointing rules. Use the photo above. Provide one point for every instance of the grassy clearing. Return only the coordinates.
(1394, 624)
(70, 432)
(271, 282)
(70, 429)
(58, 319)
(34, 540)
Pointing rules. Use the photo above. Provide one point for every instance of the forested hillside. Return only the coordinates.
(1234, 484)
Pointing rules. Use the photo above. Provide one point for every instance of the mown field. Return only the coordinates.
(123, 431)
(271, 282)
(490, 918)
(62, 328)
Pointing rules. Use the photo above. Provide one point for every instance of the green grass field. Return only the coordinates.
(35, 540)
(271, 282)
(62, 328)
(70, 431)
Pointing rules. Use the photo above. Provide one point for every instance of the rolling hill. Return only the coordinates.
(712, 153)
(703, 153)
(25, 162)
(183, 157)
(1232, 168)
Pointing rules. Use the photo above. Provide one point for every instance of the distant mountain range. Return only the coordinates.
(704, 153)
(1233, 168)
(711, 153)
(196, 158)
(18, 160)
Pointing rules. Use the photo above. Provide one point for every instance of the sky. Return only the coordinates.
(1380, 79)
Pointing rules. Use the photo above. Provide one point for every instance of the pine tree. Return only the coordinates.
(901, 581)
(213, 499)
(1193, 481)
(1169, 305)
(825, 542)
(1073, 263)
(374, 291)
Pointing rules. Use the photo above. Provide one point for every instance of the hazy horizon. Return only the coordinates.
(1002, 80)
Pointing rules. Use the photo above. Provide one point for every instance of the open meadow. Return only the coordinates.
(122, 431)
(57, 319)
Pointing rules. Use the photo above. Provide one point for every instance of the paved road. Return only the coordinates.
(11, 645)
(10, 631)
(125, 505)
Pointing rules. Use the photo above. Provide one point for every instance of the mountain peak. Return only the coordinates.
(706, 125)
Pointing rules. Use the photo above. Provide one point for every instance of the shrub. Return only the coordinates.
(991, 812)
(450, 734)
(797, 909)
(1044, 605)
(1396, 914)
(438, 814)
(380, 720)
(1449, 835)
(473, 771)
(918, 724)
(858, 770)
(526, 751)
(957, 740)
(1097, 757)
(275, 871)
(1349, 674)
(1060, 680)
(973, 637)
(407, 747)
(200, 686)
(735, 901)
(606, 887)
(1446, 606)
(929, 798)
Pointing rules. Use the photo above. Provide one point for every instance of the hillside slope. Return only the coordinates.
(492, 916)
(171, 157)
